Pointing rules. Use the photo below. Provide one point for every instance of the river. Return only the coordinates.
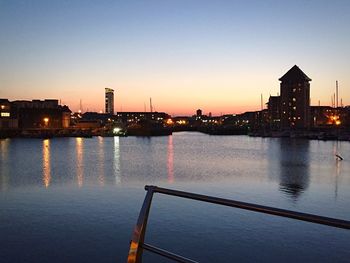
(77, 199)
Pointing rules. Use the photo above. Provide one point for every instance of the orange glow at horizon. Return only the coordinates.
(179, 93)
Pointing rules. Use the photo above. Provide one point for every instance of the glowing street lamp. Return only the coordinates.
(46, 121)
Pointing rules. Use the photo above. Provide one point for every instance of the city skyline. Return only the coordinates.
(215, 56)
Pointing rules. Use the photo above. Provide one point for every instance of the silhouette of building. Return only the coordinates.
(274, 112)
(109, 101)
(35, 114)
(38, 114)
(8, 116)
(295, 99)
(329, 117)
(136, 117)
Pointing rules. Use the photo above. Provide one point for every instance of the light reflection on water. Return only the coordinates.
(85, 194)
(101, 161)
(294, 167)
(116, 161)
(46, 163)
(80, 159)
(193, 158)
(170, 162)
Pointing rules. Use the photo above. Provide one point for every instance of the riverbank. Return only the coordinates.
(341, 135)
(311, 135)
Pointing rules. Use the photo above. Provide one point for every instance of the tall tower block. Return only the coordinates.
(109, 100)
(295, 99)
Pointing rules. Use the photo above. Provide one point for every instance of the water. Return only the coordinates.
(77, 200)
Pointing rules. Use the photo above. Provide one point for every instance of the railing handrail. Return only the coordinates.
(254, 207)
(137, 243)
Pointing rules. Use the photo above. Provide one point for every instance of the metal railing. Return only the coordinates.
(137, 244)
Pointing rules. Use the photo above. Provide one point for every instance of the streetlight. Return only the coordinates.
(46, 121)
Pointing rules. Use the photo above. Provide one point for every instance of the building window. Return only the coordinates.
(294, 90)
(5, 114)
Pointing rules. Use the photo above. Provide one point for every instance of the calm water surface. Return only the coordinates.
(77, 199)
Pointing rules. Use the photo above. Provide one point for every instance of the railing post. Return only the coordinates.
(135, 252)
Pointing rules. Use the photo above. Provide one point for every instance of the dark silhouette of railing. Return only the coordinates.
(137, 244)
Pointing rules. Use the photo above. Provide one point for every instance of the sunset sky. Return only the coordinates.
(215, 55)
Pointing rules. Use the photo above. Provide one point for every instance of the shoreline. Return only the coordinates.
(87, 133)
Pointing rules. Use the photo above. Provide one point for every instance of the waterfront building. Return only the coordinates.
(92, 120)
(347, 117)
(88, 124)
(295, 99)
(92, 116)
(135, 117)
(109, 101)
(35, 114)
(323, 116)
(328, 117)
(249, 119)
(274, 112)
(8, 118)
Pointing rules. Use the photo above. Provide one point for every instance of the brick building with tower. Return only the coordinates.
(295, 100)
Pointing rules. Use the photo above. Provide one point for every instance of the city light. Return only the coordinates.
(46, 121)
(181, 122)
(116, 130)
(169, 122)
(334, 119)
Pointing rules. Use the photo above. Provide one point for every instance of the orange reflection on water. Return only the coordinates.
(170, 162)
(79, 150)
(46, 163)
(101, 161)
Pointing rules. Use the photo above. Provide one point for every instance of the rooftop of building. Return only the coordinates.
(294, 74)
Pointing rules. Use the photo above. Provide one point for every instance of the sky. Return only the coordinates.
(218, 56)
